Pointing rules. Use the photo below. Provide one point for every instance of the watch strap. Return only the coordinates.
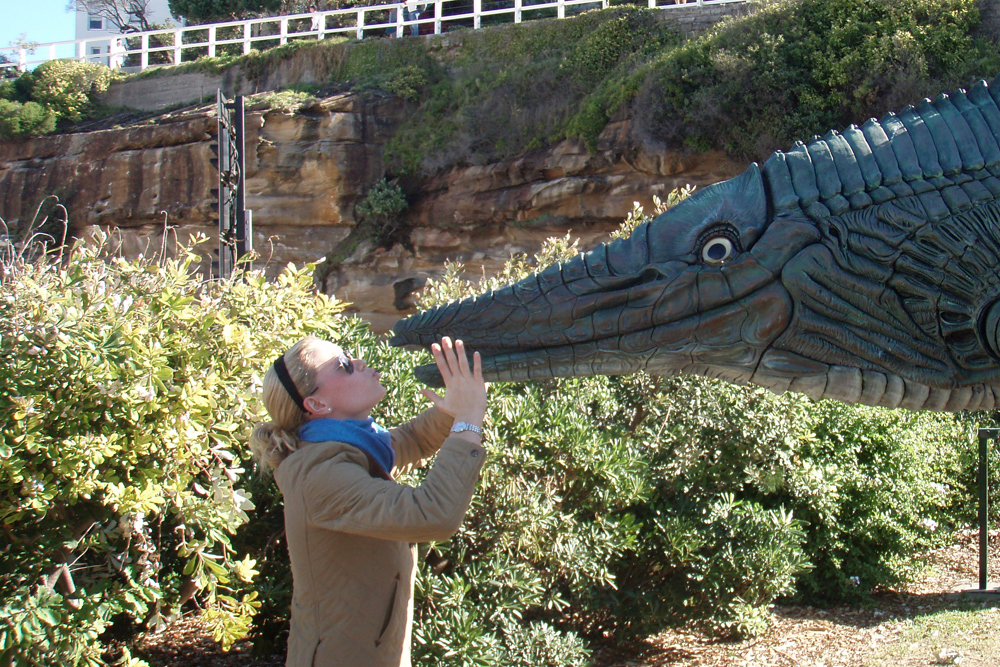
(459, 427)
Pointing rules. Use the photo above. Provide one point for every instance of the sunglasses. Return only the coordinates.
(345, 364)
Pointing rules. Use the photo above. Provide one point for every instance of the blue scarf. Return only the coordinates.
(364, 434)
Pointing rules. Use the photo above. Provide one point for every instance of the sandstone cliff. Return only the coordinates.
(307, 170)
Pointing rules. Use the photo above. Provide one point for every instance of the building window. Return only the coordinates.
(96, 23)
(95, 50)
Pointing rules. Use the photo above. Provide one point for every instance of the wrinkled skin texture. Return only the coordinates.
(861, 266)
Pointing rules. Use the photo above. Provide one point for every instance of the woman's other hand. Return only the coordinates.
(465, 391)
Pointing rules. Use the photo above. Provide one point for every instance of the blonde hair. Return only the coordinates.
(271, 442)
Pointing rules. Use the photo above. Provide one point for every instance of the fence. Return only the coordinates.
(174, 46)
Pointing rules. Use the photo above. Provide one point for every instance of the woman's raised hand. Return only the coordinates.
(465, 391)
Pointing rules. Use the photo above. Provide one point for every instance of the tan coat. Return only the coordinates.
(352, 540)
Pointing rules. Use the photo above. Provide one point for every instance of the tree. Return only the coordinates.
(201, 11)
(124, 15)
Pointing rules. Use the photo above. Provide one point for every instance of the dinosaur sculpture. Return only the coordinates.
(862, 266)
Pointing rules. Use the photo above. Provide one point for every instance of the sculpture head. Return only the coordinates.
(861, 266)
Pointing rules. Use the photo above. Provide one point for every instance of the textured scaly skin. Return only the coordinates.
(861, 266)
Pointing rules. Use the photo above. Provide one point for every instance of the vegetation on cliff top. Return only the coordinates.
(785, 71)
(58, 90)
(753, 84)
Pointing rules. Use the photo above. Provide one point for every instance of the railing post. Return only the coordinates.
(211, 42)
(22, 59)
(652, 4)
(561, 9)
(437, 15)
(144, 56)
(284, 30)
(400, 8)
(177, 47)
(246, 38)
(604, 4)
(81, 50)
(477, 9)
(361, 24)
(517, 10)
(52, 51)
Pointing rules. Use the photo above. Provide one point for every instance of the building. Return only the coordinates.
(102, 31)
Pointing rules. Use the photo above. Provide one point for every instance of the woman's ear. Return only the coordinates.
(315, 407)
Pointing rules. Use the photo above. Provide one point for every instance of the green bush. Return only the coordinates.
(33, 103)
(67, 87)
(25, 120)
(379, 210)
(795, 68)
(879, 487)
(125, 392)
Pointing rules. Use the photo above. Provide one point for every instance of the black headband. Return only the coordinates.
(286, 382)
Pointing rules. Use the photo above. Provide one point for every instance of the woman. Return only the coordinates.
(351, 529)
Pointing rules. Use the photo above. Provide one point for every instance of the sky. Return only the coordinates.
(43, 21)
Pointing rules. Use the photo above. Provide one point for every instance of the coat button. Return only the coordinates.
(475, 453)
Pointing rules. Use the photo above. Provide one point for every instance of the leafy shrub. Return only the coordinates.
(25, 120)
(406, 82)
(379, 210)
(799, 67)
(286, 100)
(125, 391)
(67, 86)
(33, 103)
(897, 477)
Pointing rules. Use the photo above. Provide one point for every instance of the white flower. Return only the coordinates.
(929, 524)
(34, 351)
(856, 581)
(145, 393)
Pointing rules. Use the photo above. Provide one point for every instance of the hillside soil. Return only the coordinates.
(930, 622)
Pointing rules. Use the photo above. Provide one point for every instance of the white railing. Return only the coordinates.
(174, 46)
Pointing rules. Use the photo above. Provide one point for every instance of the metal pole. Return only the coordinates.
(242, 241)
(984, 503)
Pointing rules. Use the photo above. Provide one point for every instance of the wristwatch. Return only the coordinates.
(466, 426)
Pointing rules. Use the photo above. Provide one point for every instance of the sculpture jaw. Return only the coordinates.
(725, 342)
(696, 290)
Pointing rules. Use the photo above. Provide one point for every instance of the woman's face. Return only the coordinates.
(345, 388)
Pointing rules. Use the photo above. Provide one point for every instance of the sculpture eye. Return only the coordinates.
(717, 250)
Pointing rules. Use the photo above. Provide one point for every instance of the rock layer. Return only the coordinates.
(306, 171)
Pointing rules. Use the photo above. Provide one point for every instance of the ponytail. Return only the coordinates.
(271, 442)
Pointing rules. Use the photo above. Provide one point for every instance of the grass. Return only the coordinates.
(971, 630)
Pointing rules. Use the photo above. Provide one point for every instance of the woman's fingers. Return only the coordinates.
(461, 358)
(432, 396)
(452, 361)
(442, 362)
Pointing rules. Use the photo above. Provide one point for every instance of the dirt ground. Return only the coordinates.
(928, 623)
